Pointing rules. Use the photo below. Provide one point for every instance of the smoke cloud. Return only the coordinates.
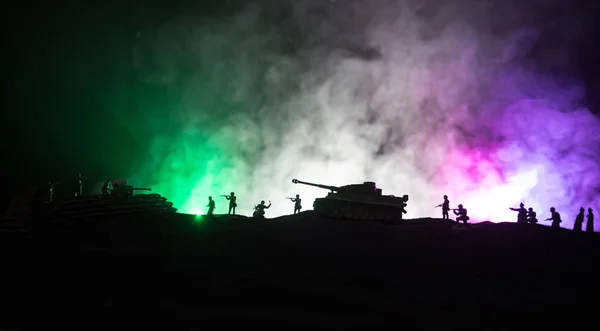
(424, 98)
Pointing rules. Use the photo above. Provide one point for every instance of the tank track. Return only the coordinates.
(357, 211)
(95, 207)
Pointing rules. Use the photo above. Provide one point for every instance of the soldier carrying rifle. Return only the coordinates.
(232, 202)
(461, 214)
(297, 204)
(555, 218)
(445, 207)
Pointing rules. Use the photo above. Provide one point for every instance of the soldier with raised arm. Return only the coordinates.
(259, 210)
(522, 216)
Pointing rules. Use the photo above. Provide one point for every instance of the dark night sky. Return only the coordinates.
(59, 61)
(58, 64)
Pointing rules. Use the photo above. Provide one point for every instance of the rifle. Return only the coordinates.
(290, 198)
(225, 196)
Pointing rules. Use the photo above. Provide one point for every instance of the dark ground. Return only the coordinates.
(296, 272)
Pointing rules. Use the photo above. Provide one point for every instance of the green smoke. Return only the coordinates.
(202, 103)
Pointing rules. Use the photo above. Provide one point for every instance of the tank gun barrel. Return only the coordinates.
(139, 188)
(327, 187)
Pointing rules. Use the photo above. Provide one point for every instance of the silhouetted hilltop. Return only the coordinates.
(298, 271)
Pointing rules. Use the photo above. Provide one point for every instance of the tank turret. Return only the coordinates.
(120, 188)
(358, 201)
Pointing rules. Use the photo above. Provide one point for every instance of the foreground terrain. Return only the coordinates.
(296, 272)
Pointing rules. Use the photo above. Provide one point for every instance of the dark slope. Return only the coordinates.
(299, 271)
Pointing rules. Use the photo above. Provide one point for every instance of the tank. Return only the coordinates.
(119, 188)
(121, 201)
(358, 202)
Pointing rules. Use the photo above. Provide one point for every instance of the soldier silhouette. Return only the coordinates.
(578, 225)
(50, 194)
(555, 218)
(232, 202)
(259, 210)
(522, 216)
(79, 185)
(445, 207)
(211, 206)
(104, 188)
(297, 203)
(462, 215)
(532, 216)
(589, 226)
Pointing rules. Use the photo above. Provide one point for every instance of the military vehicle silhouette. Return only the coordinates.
(121, 201)
(358, 202)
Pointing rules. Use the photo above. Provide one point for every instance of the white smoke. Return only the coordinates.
(342, 92)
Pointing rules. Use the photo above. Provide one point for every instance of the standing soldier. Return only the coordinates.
(104, 188)
(445, 207)
(589, 226)
(211, 206)
(79, 185)
(297, 203)
(522, 216)
(50, 193)
(232, 202)
(578, 225)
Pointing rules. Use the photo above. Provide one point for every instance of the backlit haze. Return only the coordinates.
(424, 101)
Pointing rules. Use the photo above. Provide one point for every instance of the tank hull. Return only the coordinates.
(358, 210)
